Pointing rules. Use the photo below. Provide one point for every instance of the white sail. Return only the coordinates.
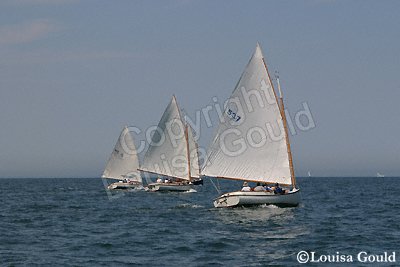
(123, 162)
(167, 153)
(194, 156)
(250, 143)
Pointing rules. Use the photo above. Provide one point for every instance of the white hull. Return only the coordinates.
(124, 186)
(169, 187)
(239, 198)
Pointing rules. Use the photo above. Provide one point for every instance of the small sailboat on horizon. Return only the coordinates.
(379, 175)
(123, 164)
(245, 148)
(172, 155)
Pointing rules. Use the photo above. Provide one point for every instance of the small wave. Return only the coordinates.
(191, 191)
(22, 221)
(269, 206)
(188, 205)
(104, 245)
(218, 245)
(139, 188)
(136, 189)
(184, 249)
(75, 207)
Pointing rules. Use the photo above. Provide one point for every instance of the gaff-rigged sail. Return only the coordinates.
(123, 162)
(193, 153)
(250, 142)
(168, 151)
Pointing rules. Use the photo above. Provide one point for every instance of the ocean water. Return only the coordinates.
(72, 222)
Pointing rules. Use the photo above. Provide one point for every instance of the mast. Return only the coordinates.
(283, 115)
(282, 108)
(187, 150)
(198, 158)
(186, 137)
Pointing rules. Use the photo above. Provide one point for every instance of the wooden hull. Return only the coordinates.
(169, 187)
(239, 198)
(124, 186)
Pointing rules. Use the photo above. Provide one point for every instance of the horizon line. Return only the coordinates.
(48, 177)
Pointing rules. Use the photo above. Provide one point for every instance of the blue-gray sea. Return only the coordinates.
(73, 222)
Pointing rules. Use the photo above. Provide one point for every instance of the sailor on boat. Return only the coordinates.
(246, 187)
(259, 188)
(278, 189)
(267, 188)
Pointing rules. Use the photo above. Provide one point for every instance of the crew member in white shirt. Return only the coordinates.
(246, 187)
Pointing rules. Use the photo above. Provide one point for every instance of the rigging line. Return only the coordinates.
(216, 187)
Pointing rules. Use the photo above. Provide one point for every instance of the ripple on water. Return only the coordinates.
(188, 205)
(72, 222)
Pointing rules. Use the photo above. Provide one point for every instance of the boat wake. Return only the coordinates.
(270, 206)
(188, 205)
(191, 191)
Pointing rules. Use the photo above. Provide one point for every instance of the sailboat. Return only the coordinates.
(245, 146)
(123, 164)
(172, 155)
(309, 174)
(379, 175)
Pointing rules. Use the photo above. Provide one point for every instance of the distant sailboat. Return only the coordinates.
(123, 164)
(266, 160)
(309, 174)
(379, 175)
(172, 153)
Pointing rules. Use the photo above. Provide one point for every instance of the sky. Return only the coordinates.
(73, 73)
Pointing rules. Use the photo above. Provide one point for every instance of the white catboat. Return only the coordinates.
(252, 143)
(170, 187)
(125, 184)
(172, 153)
(123, 164)
(239, 198)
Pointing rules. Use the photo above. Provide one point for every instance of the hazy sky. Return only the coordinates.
(73, 73)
